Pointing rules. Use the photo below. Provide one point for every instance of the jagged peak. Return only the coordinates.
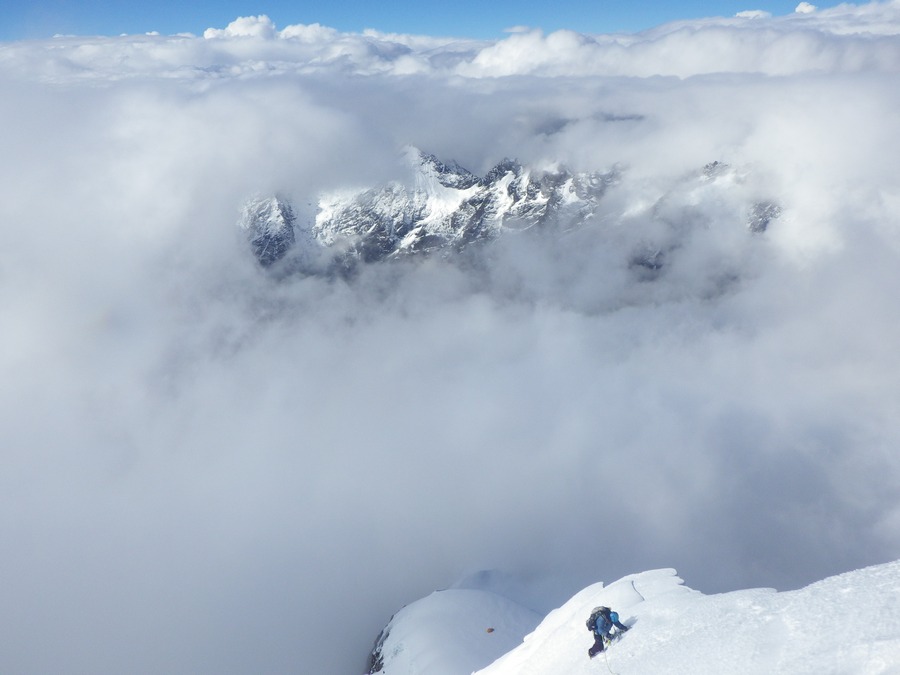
(505, 166)
(449, 174)
(442, 206)
(269, 224)
(269, 214)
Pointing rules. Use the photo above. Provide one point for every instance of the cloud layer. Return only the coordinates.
(210, 470)
(847, 38)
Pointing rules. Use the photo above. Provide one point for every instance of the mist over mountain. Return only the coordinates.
(446, 209)
(266, 381)
(480, 625)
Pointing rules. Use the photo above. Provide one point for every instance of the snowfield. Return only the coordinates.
(846, 624)
(464, 629)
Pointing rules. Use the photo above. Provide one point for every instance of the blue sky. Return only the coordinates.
(21, 19)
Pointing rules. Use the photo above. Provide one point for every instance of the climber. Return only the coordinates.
(601, 622)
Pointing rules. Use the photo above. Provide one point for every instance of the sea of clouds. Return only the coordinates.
(210, 469)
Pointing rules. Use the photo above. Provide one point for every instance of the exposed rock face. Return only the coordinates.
(442, 207)
(761, 214)
(446, 206)
(269, 223)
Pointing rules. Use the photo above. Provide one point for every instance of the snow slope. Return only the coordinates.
(847, 624)
(453, 631)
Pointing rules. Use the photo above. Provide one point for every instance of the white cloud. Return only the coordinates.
(769, 46)
(805, 8)
(205, 467)
(848, 38)
(310, 33)
(245, 26)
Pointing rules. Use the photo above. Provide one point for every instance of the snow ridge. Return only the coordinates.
(845, 624)
(444, 208)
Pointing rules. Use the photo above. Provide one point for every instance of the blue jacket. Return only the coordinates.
(604, 625)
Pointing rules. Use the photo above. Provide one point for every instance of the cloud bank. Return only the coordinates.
(847, 38)
(207, 469)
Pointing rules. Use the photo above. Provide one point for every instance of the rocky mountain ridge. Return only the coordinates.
(443, 207)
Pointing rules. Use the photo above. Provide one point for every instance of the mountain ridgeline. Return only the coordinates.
(488, 630)
(444, 208)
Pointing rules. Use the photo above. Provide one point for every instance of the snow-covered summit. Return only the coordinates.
(426, 636)
(845, 624)
(445, 206)
(269, 223)
(441, 207)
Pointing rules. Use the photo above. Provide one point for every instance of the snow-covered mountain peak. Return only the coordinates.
(438, 207)
(845, 624)
(442, 205)
(422, 637)
(269, 223)
(447, 174)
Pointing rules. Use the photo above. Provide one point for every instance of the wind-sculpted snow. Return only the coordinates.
(209, 461)
(848, 623)
(844, 624)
